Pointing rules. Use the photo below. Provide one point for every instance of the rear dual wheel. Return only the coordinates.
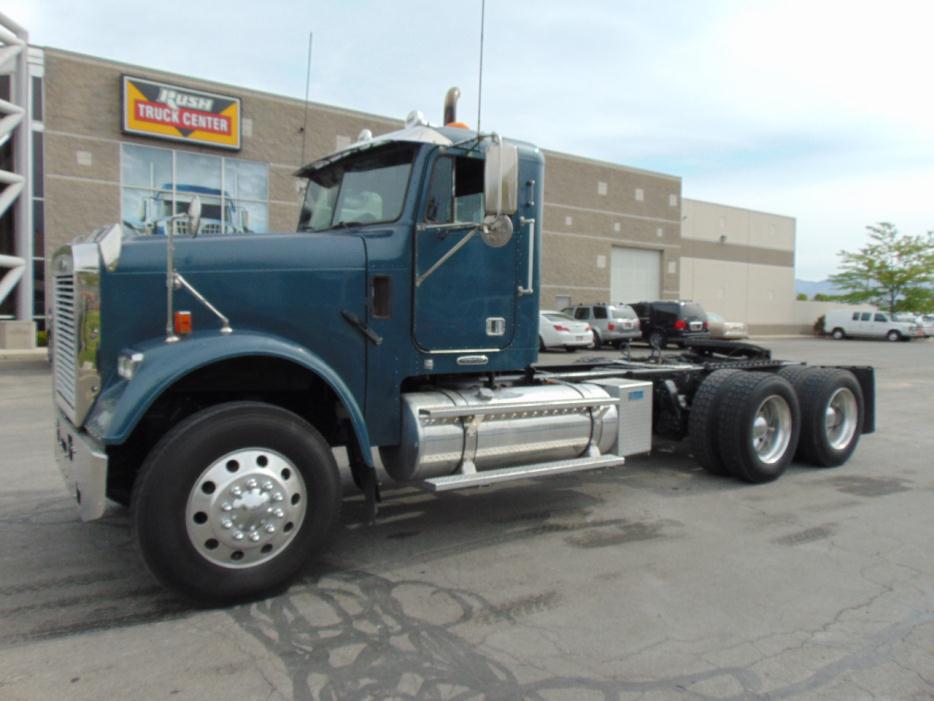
(750, 425)
(758, 426)
(832, 411)
(744, 424)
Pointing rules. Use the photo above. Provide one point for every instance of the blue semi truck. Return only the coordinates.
(204, 381)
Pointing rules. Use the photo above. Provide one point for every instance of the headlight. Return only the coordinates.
(127, 364)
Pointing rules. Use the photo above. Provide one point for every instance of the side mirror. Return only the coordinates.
(194, 215)
(501, 179)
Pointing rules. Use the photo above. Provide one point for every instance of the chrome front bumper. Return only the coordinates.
(83, 463)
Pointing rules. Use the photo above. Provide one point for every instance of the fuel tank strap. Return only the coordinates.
(443, 412)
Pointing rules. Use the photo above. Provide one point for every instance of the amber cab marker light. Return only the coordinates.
(182, 323)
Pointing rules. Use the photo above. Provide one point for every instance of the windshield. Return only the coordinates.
(365, 188)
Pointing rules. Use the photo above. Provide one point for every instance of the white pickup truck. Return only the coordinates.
(844, 323)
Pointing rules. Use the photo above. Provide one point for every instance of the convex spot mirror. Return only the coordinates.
(501, 179)
(194, 215)
(496, 230)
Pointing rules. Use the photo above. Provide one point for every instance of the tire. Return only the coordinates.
(838, 334)
(758, 427)
(570, 349)
(541, 344)
(597, 341)
(250, 456)
(702, 422)
(657, 340)
(893, 336)
(820, 392)
(794, 374)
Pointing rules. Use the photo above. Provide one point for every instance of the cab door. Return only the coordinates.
(465, 289)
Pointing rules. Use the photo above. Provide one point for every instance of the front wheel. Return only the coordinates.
(233, 500)
(838, 334)
(657, 340)
(893, 336)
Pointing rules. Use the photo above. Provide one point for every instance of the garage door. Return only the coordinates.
(635, 275)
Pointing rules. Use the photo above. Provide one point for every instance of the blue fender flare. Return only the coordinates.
(121, 406)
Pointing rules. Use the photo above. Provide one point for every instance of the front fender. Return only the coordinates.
(121, 406)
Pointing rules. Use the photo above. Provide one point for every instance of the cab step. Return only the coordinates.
(505, 474)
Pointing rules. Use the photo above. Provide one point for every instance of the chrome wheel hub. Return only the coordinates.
(840, 418)
(771, 429)
(245, 508)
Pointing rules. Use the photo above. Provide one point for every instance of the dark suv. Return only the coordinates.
(669, 321)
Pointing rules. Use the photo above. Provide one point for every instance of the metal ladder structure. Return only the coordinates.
(17, 186)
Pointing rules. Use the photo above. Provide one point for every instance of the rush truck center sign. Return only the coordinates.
(180, 114)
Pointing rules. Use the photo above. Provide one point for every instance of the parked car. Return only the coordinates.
(671, 321)
(615, 324)
(557, 330)
(843, 323)
(927, 324)
(726, 330)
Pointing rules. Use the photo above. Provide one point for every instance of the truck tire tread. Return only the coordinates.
(742, 394)
(177, 460)
(814, 392)
(702, 422)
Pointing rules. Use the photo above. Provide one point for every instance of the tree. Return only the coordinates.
(893, 271)
(802, 297)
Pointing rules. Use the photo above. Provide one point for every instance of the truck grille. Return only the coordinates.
(64, 340)
(76, 333)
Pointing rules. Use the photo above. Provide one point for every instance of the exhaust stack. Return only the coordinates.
(450, 106)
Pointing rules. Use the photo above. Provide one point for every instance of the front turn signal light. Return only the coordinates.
(182, 323)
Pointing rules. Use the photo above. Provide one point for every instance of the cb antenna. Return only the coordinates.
(480, 87)
(307, 87)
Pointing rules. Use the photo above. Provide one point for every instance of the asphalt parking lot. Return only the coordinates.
(650, 581)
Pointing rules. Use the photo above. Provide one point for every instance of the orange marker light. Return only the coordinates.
(458, 125)
(182, 323)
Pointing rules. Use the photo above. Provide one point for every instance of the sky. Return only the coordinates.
(820, 110)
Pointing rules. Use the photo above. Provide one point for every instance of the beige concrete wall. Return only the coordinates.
(740, 263)
(592, 206)
(708, 221)
(758, 295)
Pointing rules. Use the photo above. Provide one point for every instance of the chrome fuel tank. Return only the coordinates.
(543, 430)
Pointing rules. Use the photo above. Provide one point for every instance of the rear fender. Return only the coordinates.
(121, 406)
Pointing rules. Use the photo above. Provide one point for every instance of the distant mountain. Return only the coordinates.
(811, 288)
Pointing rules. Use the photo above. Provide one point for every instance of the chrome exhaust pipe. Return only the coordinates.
(450, 105)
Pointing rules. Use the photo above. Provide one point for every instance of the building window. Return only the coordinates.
(157, 183)
(37, 98)
(640, 194)
(601, 188)
(672, 200)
